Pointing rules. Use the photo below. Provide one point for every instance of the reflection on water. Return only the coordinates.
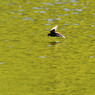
(27, 18)
(12, 12)
(66, 24)
(20, 6)
(36, 7)
(90, 35)
(1, 63)
(75, 23)
(20, 13)
(41, 57)
(62, 15)
(46, 3)
(27, 2)
(20, 10)
(49, 45)
(91, 56)
(50, 20)
(77, 10)
(39, 11)
(73, 0)
(66, 9)
(47, 24)
(58, 18)
(60, 2)
(54, 43)
(92, 25)
(10, 46)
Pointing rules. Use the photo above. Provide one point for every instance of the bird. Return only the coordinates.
(53, 33)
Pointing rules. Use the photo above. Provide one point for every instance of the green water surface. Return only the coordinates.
(31, 63)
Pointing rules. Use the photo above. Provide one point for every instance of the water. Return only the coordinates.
(31, 63)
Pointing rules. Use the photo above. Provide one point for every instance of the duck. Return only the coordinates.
(53, 33)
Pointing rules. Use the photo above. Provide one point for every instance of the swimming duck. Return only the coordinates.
(53, 33)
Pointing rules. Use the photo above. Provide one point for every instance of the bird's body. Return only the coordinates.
(53, 33)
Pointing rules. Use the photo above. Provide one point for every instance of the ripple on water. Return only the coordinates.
(46, 8)
(20, 6)
(74, 4)
(58, 18)
(65, 24)
(36, 8)
(47, 24)
(73, 0)
(91, 56)
(8, 3)
(20, 13)
(12, 12)
(59, 15)
(92, 25)
(27, 18)
(66, 9)
(1, 63)
(90, 35)
(39, 11)
(75, 24)
(9, 46)
(75, 12)
(50, 20)
(27, 2)
(65, 14)
(60, 2)
(20, 10)
(41, 57)
(50, 4)
(6, 40)
(57, 41)
(49, 45)
(77, 9)
(62, 15)
(47, 29)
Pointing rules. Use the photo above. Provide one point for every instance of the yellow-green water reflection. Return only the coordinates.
(31, 63)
